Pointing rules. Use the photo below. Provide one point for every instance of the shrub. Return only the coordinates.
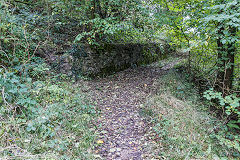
(231, 106)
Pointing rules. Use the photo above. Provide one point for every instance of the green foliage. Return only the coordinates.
(230, 102)
(100, 27)
(115, 21)
(229, 139)
(16, 90)
(182, 122)
(44, 116)
(209, 32)
(23, 29)
(231, 106)
(41, 115)
(196, 27)
(43, 110)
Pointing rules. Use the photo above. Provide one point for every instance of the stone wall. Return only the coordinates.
(110, 58)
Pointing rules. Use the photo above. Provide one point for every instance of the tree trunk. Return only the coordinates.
(226, 53)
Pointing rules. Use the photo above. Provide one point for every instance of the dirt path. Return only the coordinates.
(123, 132)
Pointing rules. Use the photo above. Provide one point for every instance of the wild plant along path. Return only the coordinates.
(123, 131)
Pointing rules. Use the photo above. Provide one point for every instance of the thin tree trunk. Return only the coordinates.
(226, 55)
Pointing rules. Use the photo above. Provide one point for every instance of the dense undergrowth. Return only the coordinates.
(184, 125)
(43, 116)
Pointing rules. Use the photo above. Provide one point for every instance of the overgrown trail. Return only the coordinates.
(123, 132)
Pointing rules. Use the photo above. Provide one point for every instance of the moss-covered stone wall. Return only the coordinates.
(109, 58)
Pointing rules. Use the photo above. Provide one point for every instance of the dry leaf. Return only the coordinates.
(100, 142)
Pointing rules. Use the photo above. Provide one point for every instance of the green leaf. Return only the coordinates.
(231, 125)
(228, 112)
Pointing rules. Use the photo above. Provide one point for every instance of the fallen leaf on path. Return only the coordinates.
(100, 142)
